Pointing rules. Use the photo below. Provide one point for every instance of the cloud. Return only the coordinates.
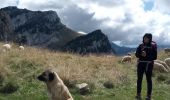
(79, 19)
(127, 22)
(43, 4)
(162, 6)
(121, 20)
(5, 3)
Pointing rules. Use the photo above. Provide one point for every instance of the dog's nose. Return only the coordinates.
(38, 77)
(41, 78)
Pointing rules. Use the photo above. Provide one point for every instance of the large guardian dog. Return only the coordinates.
(56, 88)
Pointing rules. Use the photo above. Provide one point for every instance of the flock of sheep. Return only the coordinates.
(161, 66)
(7, 47)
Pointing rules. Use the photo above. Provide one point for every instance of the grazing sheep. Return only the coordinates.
(163, 63)
(56, 88)
(126, 59)
(129, 54)
(7, 47)
(167, 50)
(21, 47)
(167, 61)
(159, 67)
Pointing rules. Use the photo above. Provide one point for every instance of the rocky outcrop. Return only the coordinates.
(5, 26)
(83, 88)
(94, 42)
(37, 28)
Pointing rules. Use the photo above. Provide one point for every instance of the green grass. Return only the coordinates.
(20, 68)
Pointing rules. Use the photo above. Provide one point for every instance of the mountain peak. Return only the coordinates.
(94, 42)
(37, 28)
(97, 31)
(40, 15)
(10, 7)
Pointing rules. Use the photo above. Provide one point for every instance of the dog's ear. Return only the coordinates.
(51, 76)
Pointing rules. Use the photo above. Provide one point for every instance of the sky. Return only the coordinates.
(123, 21)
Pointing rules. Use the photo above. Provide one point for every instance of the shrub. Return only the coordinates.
(2, 78)
(9, 88)
(161, 77)
(108, 84)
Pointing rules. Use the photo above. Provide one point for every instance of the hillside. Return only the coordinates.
(94, 42)
(35, 28)
(19, 69)
(5, 26)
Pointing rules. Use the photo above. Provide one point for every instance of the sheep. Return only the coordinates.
(159, 67)
(21, 47)
(6, 47)
(167, 50)
(126, 59)
(164, 64)
(129, 54)
(167, 61)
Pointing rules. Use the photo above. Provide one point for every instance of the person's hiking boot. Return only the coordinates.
(138, 97)
(148, 98)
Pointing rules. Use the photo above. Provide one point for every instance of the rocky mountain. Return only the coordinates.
(5, 26)
(94, 42)
(35, 28)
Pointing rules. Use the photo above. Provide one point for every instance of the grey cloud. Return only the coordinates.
(108, 3)
(79, 19)
(162, 6)
(4, 3)
(129, 37)
(44, 4)
(163, 38)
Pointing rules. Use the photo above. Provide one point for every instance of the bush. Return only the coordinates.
(167, 82)
(2, 78)
(161, 77)
(108, 84)
(9, 88)
(92, 87)
(69, 83)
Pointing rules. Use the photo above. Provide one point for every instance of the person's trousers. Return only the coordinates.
(144, 67)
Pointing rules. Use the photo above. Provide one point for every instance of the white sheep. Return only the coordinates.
(129, 54)
(7, 47)
(126, 59)
(164, 64)
(21, 47)
(167, 61)
(159, 67)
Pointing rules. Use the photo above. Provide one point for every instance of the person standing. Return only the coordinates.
(146, 54)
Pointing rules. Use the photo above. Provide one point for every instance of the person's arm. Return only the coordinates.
(138, 52)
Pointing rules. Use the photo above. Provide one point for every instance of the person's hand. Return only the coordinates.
(143, 54)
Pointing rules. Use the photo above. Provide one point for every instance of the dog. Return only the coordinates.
(55, 86)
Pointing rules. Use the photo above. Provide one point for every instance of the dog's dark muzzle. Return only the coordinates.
(42, 78)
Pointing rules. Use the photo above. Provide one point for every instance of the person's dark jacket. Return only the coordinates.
(150, 49)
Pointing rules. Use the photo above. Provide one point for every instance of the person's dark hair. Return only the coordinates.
(149, 36)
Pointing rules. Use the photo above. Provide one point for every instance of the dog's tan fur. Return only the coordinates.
(56, 88)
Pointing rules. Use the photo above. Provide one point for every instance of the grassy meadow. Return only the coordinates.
(19, 69)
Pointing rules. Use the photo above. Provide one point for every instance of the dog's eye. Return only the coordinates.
(51, 76)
